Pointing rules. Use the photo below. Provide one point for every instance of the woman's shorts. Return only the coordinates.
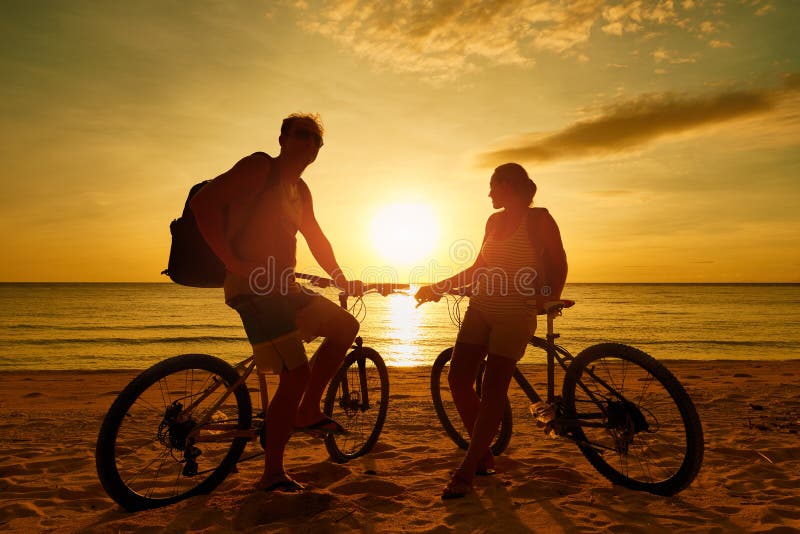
(505, 335)
(277, 326)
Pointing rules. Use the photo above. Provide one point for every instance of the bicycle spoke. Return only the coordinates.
(358, 400)
(156, 453)
(627, 421)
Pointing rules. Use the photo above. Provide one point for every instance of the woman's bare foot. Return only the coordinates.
(459, 485)
(486, 465)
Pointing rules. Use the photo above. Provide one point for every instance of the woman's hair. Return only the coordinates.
(515, 175)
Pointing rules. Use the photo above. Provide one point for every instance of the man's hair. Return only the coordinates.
(313, 117)
(517, 177)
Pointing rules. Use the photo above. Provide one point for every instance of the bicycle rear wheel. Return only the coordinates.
(632, 419)
(448, 414)
(358, 399)
(155, 447)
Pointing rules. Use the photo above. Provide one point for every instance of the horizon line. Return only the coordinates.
(423, 283)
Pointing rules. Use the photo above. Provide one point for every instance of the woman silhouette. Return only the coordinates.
(521, 265)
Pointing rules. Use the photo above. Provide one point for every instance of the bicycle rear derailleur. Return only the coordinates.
(174, 433)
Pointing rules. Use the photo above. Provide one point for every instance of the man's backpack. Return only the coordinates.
(191, 260)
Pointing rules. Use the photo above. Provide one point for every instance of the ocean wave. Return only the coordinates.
(720, 342)
(127, 341)
(78, 327)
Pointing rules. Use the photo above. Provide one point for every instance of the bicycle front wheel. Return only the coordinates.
(632, 419)
(358, 399)
(169, 434)
(448, 413)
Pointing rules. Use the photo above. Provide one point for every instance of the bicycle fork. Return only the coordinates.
(356, 398)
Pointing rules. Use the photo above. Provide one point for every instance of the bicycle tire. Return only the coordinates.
(440, 400)
(147, 418)
(361, 410)
(649, 437)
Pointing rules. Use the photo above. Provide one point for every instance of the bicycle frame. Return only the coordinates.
(229, 430)
(232, 432)
(560, 355)
(555, 354)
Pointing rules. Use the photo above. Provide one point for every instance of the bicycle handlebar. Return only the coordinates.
(551, 306)
(384, 288)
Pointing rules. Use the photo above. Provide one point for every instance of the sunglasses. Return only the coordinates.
(304, 134)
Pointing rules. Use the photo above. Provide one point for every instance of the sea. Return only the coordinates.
(104, 326)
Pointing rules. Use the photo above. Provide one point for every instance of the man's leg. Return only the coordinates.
(339, 331)
(279, 422)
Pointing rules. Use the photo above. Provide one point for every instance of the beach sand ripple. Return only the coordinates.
(750, 480)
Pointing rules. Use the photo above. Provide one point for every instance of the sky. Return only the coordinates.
(664, 135)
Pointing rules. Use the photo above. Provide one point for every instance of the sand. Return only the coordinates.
(749, 482)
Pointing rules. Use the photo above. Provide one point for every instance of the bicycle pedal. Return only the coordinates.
(550, 430)
(190, 469)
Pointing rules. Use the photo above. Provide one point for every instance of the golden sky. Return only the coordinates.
(663, 135)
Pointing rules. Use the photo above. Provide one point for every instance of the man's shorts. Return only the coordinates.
(505, 335)
(277, 325)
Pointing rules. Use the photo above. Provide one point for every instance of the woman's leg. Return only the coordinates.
(499, 371)
(464, 366)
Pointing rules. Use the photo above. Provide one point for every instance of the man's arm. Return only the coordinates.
(210, 208)
(318, 244)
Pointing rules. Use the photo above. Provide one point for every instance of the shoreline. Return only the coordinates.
(667, 362)
(750, 479)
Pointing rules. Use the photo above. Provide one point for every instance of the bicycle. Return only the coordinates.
(180, 427)
(647, 437)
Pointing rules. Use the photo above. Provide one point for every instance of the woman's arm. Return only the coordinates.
(554, 258)
(460, 279)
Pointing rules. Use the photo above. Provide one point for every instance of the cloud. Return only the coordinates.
(791, 81)
(634, 123)
(444, 38)
(707, 27)
(715, 43)
(662, 54)
(766, 8)
(419, 36)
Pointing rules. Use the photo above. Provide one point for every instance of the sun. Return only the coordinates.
(405, 234)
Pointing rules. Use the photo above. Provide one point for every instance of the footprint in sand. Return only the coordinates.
(322, 474)
(380, 505)
(262, 508)
(549, 482)
(376, 487)
(13, 511)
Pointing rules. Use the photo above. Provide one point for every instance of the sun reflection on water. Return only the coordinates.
(405, 338)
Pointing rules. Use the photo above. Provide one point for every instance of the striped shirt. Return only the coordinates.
(505, 285)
